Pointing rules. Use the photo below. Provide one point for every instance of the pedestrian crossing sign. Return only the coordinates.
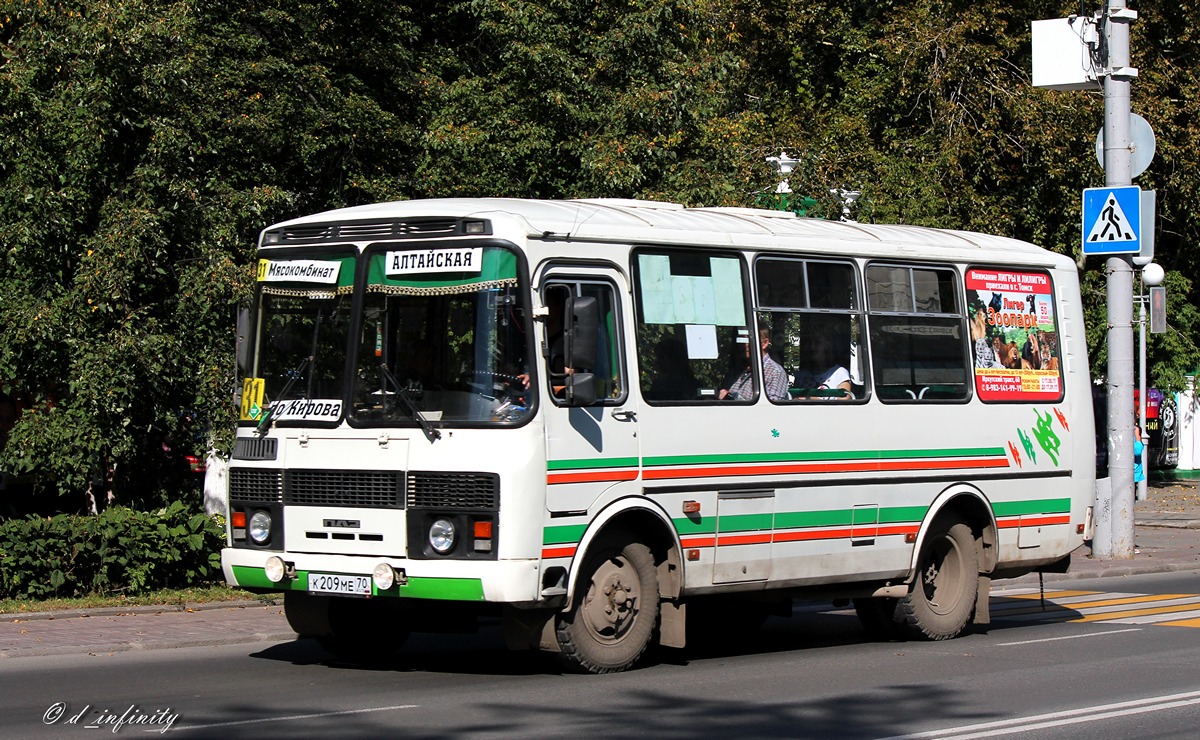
(1112, 220)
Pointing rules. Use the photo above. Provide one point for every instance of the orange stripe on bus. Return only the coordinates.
(1040, 521)
(559, 552)
(743, 539)
(597, 476)
(698, 542)
(814, 534)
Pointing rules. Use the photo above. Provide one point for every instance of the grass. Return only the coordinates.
(168, 597)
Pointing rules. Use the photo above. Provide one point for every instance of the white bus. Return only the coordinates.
(587, 416)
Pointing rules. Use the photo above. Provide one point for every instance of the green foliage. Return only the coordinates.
(144, 144)
(122, 551)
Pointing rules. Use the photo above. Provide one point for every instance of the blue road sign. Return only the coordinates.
(1112, 220)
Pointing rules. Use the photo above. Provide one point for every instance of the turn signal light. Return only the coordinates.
(483, 535)
(691, 507)
(238, 519)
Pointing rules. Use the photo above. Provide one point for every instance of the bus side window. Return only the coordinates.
(604, 370)
(811, 310)
(690, 350)
(917, 334)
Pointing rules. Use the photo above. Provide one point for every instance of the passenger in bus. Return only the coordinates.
(825, 373)
(673, 380)
(774, 378)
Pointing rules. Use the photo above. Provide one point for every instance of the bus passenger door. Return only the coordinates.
(592, 445)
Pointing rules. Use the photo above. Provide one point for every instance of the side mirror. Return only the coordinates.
(581, 389)
(243, 335)
(581, 328)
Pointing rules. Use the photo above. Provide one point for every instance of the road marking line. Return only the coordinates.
(1035, 594)
(292, 717)
(1180, 623)
(1114, 616)
(1159, 618)
(1113, 604)
(1069, 637)
(1057, 719)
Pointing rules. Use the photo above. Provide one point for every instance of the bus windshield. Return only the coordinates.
(443, 339)
(304, 323)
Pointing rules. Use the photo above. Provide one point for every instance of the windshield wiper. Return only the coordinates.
(411, 406)
(294, 374)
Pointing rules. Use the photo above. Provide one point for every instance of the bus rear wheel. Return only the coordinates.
(942, 598)
(615, 614)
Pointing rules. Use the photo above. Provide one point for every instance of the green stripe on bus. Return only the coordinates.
(1040, 506)
(443, 589)
(793, 519)
(583, 464)
(745, 523)
(564, 534)
(895, 514)
(254, 578)
(697, 525)
(764, 457)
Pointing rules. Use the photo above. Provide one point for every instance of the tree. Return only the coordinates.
(143, 145)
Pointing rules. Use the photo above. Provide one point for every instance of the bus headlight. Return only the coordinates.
(384, 576)
(442, 536)
(260, 527)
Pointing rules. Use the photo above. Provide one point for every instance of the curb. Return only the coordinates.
(117, 611)
(127, 647)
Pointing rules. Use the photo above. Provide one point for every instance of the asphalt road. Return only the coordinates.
(1112, 657)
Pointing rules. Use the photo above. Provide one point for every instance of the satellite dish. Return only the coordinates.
(1141, 145)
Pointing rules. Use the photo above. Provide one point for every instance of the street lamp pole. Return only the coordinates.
(1118, 171)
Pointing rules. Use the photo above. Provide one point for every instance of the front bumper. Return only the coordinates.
(501, 581)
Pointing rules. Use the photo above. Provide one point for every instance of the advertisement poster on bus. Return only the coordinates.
(1014, 335)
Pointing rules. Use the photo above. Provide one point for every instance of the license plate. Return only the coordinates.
(334, 583)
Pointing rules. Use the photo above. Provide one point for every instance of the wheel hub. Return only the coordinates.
(611, 604)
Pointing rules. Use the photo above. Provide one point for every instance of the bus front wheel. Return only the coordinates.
(942, 598)
(615, 614)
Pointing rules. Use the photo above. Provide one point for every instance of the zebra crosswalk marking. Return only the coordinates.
(1022, 605)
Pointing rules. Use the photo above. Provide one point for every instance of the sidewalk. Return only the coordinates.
(1166, 536)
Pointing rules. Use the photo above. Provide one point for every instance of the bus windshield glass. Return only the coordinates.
(304, 323)
(443, 339)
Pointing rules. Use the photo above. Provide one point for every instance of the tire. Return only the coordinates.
(942, 598)
(615, 615)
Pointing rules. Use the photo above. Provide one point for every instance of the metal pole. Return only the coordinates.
(1118, 172)
(1140, 493)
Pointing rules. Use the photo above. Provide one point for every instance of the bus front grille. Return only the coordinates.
(453, 490)
(255, 448)
(362, 488)
(382, 489)
(256, 486)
